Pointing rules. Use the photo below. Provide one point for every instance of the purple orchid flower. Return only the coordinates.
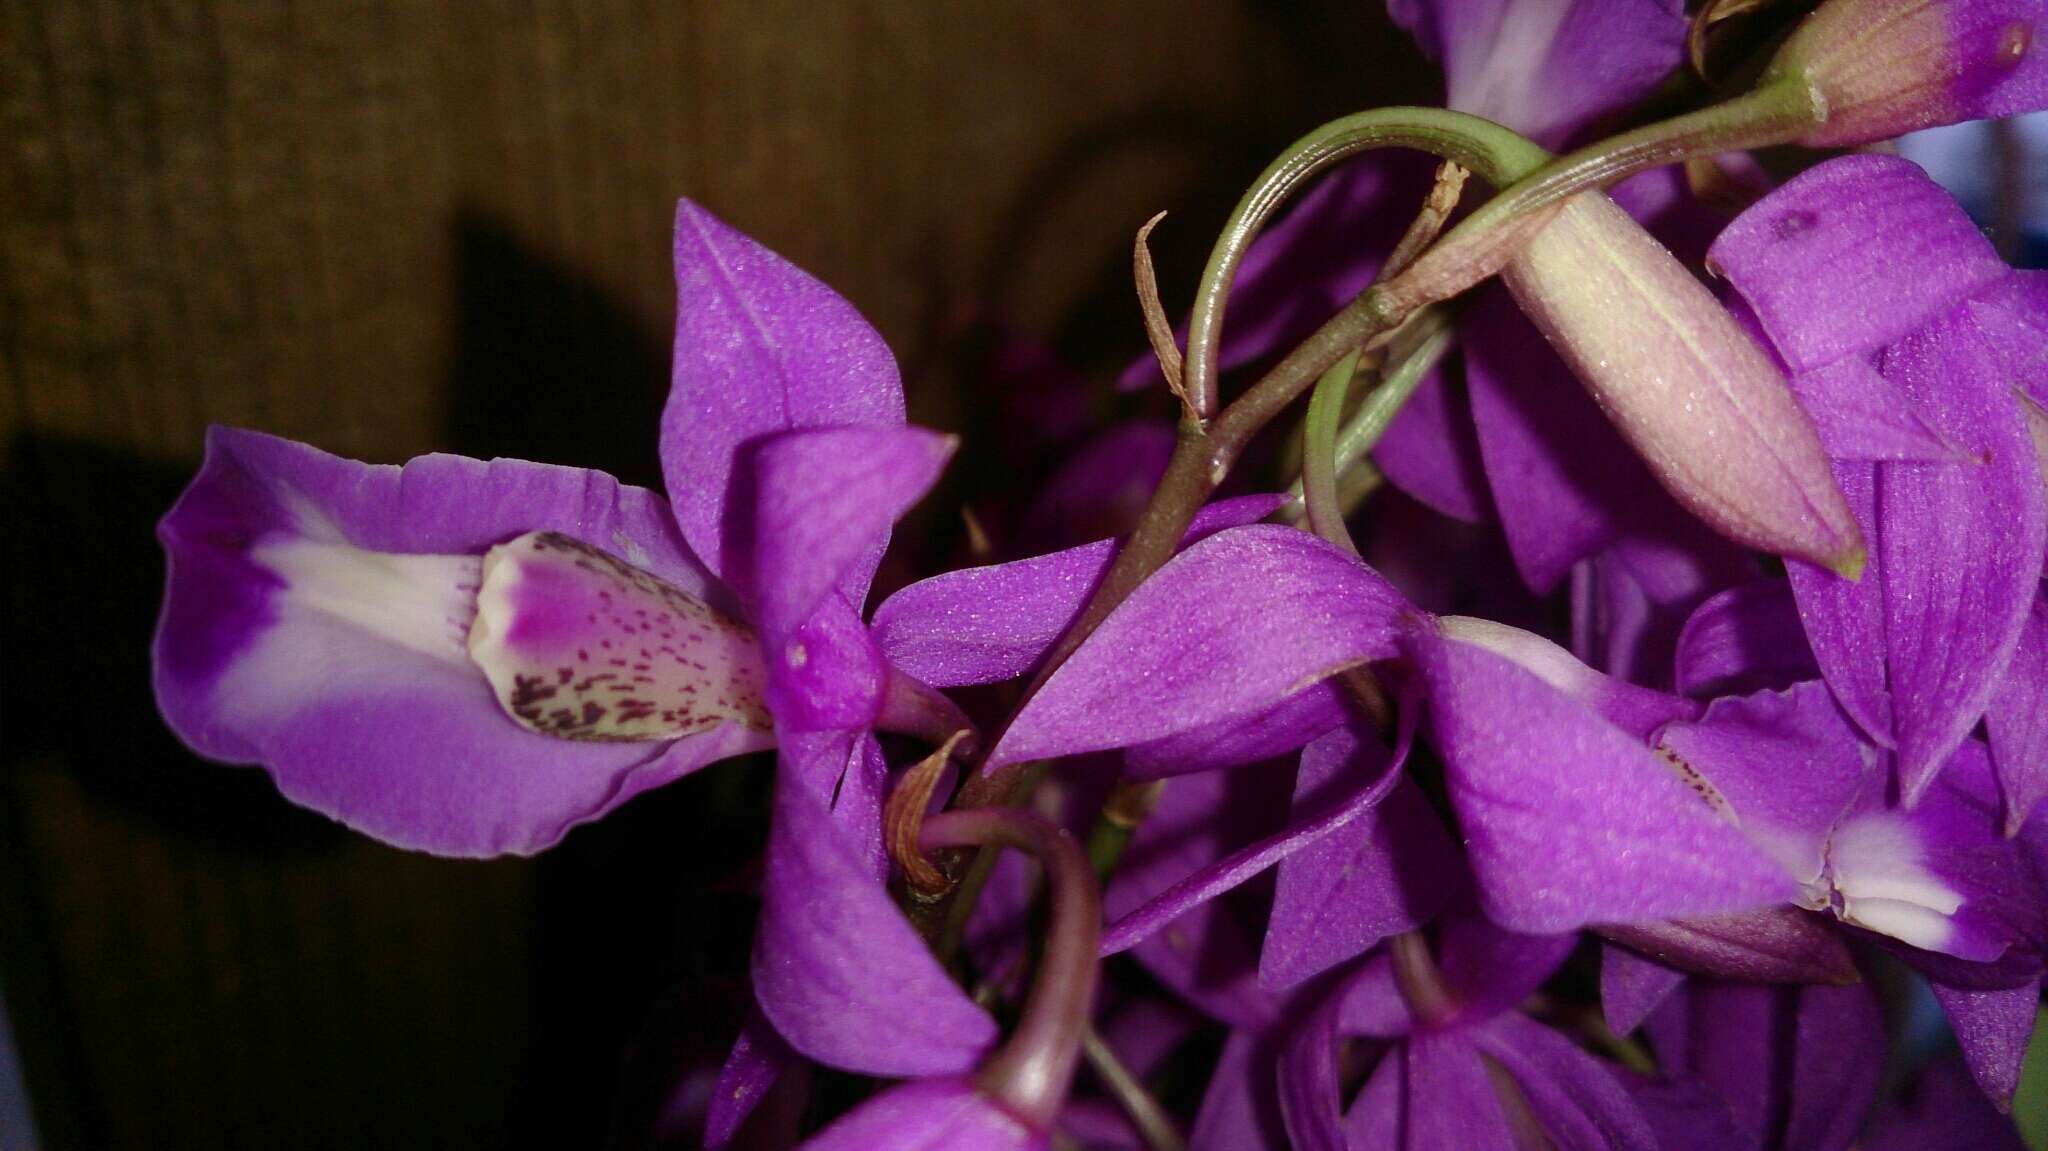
(1883, 297)
(1797, 1066)
(1456, 1065)
(470, 658)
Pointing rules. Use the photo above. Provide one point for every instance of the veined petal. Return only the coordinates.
(1744, 639)
(1799, 1065)
(308, 627)
(836, 967)
(825, 499)
(1577, 1099)
(1340, 895)
(2017, 722)
(1844, 619)
(1960, 547)
(1569, 820)
(1207, 883)
(1630, 603)
(1992, 1027)
(988, 624)
(1853, 255)
(1226, 629)
(760, 347)
(1241, 1108)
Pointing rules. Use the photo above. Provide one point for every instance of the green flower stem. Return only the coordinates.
(1478, 247)
(1426, 337)
(1499, 156)
(1319, 453)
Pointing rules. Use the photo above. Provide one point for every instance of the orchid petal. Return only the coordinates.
(1241, 1109)
(827, 674)
(1547, 70)
(758, 1059)
(1631, 987)
(836, 967)
(1634, 598)
(1576, 1098)
(1490, 969)
(1452, 1102)
(1745, 639)
(825, 499)
(1860, 415)
(988, 624)
(1818, 259)
(1942, 1110)
(1779, 944)
(1688, 1116)
(1209, 953)
(760, 347)
(1339, 896)
(1844, 619)
(2017, 722)
(1569, 821)
(1102, 488)
(1131, 928)
(1226, 629)
(1960, 549)
(1431, 450)
(1563, 481)
(1993, 1028)
(1282, 728)
(1800, 1066)
(1787, 765)
(308, 626)
(1310, 1099)
(929, 1115)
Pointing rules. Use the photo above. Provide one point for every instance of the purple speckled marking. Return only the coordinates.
(578, 644)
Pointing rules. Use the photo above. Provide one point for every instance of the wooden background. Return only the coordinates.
(392, 226)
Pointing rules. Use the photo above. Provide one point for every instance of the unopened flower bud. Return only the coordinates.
(1690, 390)
(1878, 68)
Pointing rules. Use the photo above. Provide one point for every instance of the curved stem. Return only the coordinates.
(1319, 453)
(1031, 1073)
(1773, 114)
(1154, 1125)
(1498, 155)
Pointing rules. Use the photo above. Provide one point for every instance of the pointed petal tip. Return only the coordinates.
(1850, 564)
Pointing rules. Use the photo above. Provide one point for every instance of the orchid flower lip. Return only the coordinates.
(579, 644)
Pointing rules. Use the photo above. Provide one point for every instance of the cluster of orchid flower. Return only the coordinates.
(1792, 740)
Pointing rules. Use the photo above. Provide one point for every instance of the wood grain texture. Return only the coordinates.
(395, 226)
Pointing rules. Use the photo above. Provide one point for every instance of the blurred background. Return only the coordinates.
(396, 226)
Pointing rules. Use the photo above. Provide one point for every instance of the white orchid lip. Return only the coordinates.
(579, 644)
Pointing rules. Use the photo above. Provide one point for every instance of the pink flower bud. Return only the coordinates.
(1688, 388)
(1877, 68)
